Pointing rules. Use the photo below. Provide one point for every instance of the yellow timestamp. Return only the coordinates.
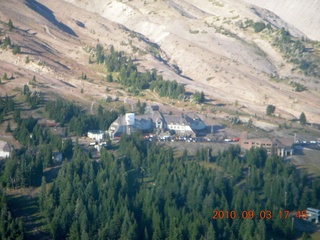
(251, 214)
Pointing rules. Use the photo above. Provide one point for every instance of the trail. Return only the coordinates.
(91, 109)
(48, 31)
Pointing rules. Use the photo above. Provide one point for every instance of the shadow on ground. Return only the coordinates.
(48, 14)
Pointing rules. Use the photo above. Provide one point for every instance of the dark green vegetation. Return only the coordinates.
(26, 165)
(7, 42)
(259, 26)
(298, 87)
(270, 109)
(6, 106)
(130, 77)
(33, 98)
(10, 227)
(199, 97)
(141, 191)
(302, 119)
(294, 51)
(10, 25)
(16, 49)
(78, 121)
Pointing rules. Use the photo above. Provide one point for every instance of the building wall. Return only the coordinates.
(178, 127)
(271, 146)
(97, 136)
(4, 154)
(5, 149)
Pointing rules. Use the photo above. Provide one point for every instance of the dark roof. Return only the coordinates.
(4, 146)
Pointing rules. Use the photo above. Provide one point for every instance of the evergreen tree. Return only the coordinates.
(67, 148)
(109, 78)
(305, 199)
(16, 116)
(305, 236)
(303, 119)
(100, 110)
(5, 76)
(43, 192)
(270, 109)
(16, 49)
(10, 25)
(7, 42)
(198, 97)
(8, 128)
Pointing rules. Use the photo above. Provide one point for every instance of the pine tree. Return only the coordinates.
(7, 42)
(10, 25)
(100, 110)
(270, 109)
(305, 199)
(109, 78)
(8, 129)
(303, 119)
(210, 234)
(67, 148)
(5, 76)
(16, 116)
(202, 98)
(43, 193)
(16, 49)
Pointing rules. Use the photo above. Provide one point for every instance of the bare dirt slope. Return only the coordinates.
(304, 15)
(202, 39)
(56, 37)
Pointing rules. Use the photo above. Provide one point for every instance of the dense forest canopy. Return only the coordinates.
(130, 77)
(78, 121)
(147, 193)
(142, 191)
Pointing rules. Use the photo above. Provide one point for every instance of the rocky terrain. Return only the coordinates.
(208, 45)
(300, 14)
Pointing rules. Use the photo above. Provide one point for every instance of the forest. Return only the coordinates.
(144, 190)
(130, 77)
(77, 120)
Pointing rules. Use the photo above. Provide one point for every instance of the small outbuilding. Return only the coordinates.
(57, 156)
(96, 134)
(5, 149)
(313, 215)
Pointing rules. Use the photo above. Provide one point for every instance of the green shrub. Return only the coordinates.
(259, 26)
(16, 49)
(10, 25)
(270, 109)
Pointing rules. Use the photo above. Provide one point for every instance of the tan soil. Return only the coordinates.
(227, 69)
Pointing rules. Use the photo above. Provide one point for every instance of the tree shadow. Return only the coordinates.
(52, 173)
(48, 14)
(214, 128)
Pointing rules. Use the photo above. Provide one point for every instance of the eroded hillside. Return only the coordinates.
(210, 46)
(301, 14)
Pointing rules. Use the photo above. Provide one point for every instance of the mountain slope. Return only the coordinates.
(204, 40)
(206, 45)
(304, 15)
